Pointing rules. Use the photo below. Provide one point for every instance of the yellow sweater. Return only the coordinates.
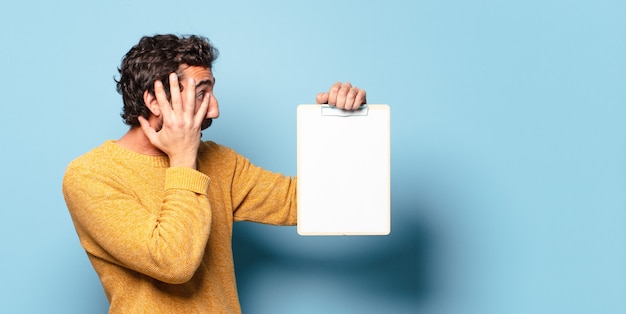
(160, 237)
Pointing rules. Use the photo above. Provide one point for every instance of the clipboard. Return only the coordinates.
(343, 168)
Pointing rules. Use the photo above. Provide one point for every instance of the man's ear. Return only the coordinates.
(152, 103)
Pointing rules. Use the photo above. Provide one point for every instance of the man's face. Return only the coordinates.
(204, 85)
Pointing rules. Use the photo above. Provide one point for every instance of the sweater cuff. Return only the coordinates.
(187, 179)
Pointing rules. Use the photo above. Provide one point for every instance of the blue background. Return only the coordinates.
(508, 147)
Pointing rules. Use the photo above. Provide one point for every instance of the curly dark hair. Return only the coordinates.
(154, 58)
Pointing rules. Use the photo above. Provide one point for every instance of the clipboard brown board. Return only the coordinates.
(343, 170)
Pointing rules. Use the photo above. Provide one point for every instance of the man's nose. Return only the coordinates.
(214, 110)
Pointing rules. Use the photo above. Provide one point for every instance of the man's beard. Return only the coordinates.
(206, 124)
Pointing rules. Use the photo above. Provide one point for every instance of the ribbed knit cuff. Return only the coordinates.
(187, 179)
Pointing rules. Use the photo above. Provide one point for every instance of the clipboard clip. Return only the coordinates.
(327, 110)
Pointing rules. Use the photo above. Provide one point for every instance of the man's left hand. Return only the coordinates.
(343, 96)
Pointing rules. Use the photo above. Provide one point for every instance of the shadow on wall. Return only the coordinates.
(385, 271)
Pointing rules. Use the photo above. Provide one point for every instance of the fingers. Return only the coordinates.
(147, 129)
(343, 96)
(322, 98)
(189, 107)
(200, 116)
(332, 93)
(360, 98)
(177, 109)
(168, 107)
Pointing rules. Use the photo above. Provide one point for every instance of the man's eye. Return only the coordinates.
(200, 95)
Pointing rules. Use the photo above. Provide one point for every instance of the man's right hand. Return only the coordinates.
(180, 124)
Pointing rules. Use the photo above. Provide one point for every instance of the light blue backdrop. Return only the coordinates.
(508, 147)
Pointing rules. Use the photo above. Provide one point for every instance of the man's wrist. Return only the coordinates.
(188, 162)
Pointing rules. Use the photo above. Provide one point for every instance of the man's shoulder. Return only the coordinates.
(90, 165)
(96, 156)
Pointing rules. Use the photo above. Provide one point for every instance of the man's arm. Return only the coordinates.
(166, 243)
(270, 198)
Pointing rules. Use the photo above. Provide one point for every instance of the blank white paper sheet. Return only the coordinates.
(343, 170)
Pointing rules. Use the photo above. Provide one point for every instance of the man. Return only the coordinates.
(154, 210)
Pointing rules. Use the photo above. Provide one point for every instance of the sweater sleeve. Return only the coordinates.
(113, 224)
(263, 196)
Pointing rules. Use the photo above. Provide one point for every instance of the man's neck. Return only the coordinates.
(136, 141)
